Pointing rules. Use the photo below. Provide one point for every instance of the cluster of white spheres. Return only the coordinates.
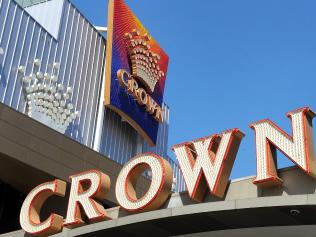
(48, 97)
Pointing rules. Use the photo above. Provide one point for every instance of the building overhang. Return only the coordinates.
(245, 209)
(37, 154)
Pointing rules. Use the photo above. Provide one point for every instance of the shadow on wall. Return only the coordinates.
(73, 131)
(295, 182)
(10, 204)
(2, 76)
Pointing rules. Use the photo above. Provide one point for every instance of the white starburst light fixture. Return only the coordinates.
(47, 100)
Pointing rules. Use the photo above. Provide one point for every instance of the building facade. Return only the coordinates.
(52, 62)
(54, 124)
(56, 33)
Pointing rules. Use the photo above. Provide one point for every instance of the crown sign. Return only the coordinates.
(48, 101)
(144, 61)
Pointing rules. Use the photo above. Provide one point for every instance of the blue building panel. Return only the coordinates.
(79, 49)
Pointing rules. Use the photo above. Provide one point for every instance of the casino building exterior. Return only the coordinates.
(57, 118)
(53, 41)
(55, 32)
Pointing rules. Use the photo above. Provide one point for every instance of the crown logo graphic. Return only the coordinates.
(48, 101)
(144, 62)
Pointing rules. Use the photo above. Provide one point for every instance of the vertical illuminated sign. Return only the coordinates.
(136, 69)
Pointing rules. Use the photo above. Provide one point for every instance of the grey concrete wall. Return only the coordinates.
(31, 153)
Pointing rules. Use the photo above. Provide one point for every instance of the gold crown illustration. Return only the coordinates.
(144, 62)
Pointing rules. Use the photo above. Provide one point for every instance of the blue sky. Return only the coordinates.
(232, 62)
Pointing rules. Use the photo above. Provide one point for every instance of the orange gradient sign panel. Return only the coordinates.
(136, 69)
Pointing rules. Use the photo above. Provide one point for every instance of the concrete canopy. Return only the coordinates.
(244, 210)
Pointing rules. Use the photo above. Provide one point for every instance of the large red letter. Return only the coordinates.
(85, 188)
(299, 148)
(159, 190)
(31, 208)
(212, 156)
